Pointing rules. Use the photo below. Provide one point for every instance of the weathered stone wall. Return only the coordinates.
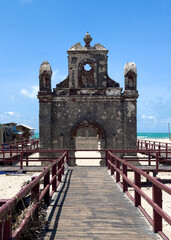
(45, 125)
(66, 112)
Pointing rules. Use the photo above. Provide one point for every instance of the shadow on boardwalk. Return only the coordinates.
(57, 204)
(90, 205)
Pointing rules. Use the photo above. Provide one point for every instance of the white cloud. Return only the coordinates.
(30, 94)
(18, 118)
(148, 117)
(10, 113)
(9, 117)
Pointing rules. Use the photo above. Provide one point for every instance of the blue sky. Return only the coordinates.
(132, 30)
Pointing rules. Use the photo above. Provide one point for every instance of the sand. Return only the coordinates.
(11, 184)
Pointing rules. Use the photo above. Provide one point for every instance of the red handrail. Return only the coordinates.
(6, 209)
(24, 143)
(158, 187)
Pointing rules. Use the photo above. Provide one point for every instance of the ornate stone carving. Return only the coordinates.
(87, 39)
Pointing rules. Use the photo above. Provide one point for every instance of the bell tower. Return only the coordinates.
(45, 73)
(87, 65)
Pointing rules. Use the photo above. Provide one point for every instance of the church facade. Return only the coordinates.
(88, 99)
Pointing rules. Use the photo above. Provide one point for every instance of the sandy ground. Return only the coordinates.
(11, 184)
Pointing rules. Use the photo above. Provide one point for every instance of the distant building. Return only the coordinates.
(88, 103)
(11, 131)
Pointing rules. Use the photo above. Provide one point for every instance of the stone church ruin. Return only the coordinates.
(88, 104)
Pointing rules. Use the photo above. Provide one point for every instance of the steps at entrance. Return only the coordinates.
(90, 205)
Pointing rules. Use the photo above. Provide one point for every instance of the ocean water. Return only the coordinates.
(153, 135)
(139, 135)
(36, 135)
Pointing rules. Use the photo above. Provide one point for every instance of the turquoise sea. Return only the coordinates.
(139, 135)
(152, 135)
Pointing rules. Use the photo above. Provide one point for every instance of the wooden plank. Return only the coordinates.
(90, 205)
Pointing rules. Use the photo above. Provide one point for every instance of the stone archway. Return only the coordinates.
(87, 123)
(88, 135)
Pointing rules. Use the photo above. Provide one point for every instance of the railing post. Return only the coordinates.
(67, 156)
(6, 226)
(27, 159)
(22, 144)
(35, 191)
(125, 184)
(117, 173)
(54, 185)
(112, 168)
(149, 158)
(59, 169)
(46, 182)
(154, 145)
(62, 172)
(138, 144)
(166, 151)
(137, 196)
(21, 160)
(10, 150)
(157, 198)
(157, 162)
(109, 158)
(106, 158)
(159, 148)
(35, 195)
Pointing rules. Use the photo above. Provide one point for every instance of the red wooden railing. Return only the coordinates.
(120, 167)
(10, 149)
(21, 144)
(57, 168)
(116, 165)
(149, 144)
(154, 145)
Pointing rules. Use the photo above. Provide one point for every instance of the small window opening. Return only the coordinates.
(87, 67)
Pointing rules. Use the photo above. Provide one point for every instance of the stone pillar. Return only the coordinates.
(45, 107)
(72, 162)
(130, 122)
(45, 125)
(130, 96)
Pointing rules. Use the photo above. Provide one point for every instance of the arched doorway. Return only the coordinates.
(87, 138)
(88, 135)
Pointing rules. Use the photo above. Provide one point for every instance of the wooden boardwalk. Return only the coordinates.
(90, 205)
